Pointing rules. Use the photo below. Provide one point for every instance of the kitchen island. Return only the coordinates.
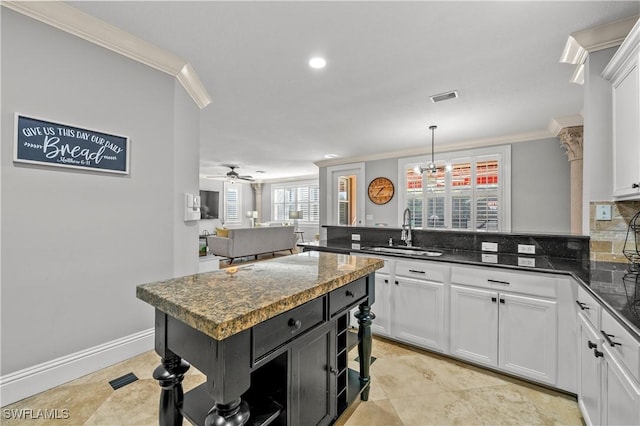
(271, 338)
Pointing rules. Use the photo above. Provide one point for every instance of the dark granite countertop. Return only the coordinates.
(221, 304)
(610, 283)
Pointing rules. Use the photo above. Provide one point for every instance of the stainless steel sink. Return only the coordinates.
(412, 251)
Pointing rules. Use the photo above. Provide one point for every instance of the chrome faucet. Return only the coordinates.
(406, 227)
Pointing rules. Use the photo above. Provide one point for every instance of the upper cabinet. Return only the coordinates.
(624, 76)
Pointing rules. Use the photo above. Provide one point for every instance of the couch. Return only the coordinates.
(252, 241)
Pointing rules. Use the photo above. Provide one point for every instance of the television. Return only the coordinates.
(209, 204)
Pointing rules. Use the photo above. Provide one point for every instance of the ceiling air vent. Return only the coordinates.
(444, 96)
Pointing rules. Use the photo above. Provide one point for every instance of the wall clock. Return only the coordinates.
(381, 190)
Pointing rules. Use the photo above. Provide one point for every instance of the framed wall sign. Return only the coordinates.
(44, 142)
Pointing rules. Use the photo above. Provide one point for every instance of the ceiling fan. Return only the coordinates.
(232, 174)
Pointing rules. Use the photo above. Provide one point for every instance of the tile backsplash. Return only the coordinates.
(607, 236)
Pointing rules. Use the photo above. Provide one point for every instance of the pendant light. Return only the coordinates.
(431, 167)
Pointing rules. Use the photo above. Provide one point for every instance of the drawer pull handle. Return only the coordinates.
(498, 282)
(635, 185)
(598, 354)
(502, 301)
(583, 306)
(608, 337)
(349, 293)
(295, 324)
(415, 271)
(494, 299)
(591, 345)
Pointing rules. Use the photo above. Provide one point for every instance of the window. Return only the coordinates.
(468, 191)
(292, 197)
(232, 202)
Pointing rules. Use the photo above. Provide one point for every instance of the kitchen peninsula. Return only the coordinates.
(271, 338)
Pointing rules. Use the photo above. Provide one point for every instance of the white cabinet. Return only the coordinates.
(474, 324)
(419, 312)
(608, 387)
(517, 334)
(589, 375)
(507, 320)
(409, 304)
(382, 322)
(528, 335)
(623, 73)
(621, 396)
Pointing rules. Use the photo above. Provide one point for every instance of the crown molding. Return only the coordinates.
(558, 123)
(457, 146)
(73, 21)
(627, 52)
(581, 43)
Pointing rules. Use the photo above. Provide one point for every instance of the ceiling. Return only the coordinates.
(271, 112)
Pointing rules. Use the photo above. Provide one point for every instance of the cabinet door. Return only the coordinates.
(312, 395)
(626, 134)
(474, 324)
(621, 396)
(418, 312)
(382, 322)
(589, 377)
(528, 336)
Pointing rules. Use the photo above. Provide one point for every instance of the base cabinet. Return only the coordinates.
(313, 380)
(621, 396)
(590, 373)
(410, 304)
(515, 333)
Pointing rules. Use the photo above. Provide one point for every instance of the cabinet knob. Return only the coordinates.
(494, 299)
(349, 293)
(502, 301)
(295, 324)
(635, 185)
(591, 345)
(598, 354)
(386, 281)
(332, 370)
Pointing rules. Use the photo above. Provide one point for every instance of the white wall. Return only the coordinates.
(598, 136)
(541, 187)
(75, 243)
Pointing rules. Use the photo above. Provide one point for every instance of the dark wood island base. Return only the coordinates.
(288, 369)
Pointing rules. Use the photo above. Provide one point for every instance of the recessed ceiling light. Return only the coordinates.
(317, 62)
(331, 156)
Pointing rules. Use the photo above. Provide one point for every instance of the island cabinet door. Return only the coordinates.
(312, 382)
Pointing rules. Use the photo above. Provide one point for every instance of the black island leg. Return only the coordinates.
(235, 413)
(365, 317)
(170, 375)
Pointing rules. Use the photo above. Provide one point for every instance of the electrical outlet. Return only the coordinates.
(355, 246)
(603, 212)
(527, 261)
(489, 258)
(355, 237)
(489, 246)
(526, 249)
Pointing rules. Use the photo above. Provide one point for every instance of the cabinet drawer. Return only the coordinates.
(588, 307)
(272, 333)
(500, 280)
(624, 345)
(421, 270)
(347, 295)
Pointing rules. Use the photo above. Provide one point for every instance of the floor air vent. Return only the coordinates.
(123, 381)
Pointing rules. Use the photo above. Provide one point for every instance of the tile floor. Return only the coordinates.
(409, 387)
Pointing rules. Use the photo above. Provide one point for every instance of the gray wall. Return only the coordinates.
(540, 187)
(75, 244)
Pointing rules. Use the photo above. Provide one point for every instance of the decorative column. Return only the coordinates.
(572, 138)
(257, 195)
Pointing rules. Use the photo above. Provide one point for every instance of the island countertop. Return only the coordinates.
(220, 304)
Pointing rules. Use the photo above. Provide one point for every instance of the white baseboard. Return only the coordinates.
(38, 378)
